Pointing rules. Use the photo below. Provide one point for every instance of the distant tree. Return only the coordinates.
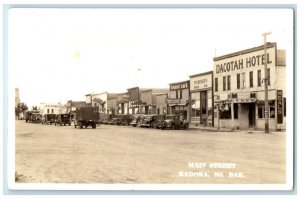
(34, 108)
(21, 108)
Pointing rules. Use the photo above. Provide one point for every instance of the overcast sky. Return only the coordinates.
(57, 55)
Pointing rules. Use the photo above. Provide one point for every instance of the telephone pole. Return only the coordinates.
(266, 80)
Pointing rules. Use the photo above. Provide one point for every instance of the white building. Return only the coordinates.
(239, 89)
(51, 108)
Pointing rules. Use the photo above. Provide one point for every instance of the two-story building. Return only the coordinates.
(179, 99)
(202, 102)
(239, 88)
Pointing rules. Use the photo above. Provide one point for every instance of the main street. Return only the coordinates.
(123, 154)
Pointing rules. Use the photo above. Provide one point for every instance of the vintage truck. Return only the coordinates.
(86, 116)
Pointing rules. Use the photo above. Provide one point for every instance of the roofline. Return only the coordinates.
(180, 82)
(249, 50)
(205, 73)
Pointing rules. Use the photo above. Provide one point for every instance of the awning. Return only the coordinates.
(183, 104)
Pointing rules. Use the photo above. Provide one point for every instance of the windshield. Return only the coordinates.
(170, 117)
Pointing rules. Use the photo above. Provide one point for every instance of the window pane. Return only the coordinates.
(251, 78)
(236, 111)
(272, 112)
(216, 84)
(238, 81)
(260, 112)
(224, 83)
(259, 78)
(228, 82)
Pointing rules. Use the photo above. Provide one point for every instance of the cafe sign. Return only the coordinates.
(178, 86)
(172, 101)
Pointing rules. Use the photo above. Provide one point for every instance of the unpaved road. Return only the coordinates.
(118, 154)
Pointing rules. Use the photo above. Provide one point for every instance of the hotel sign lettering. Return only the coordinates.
(279, 107)
(251, 61)
(179, 86)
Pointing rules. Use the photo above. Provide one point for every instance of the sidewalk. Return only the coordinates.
(215, 129)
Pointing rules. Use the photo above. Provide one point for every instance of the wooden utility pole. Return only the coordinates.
(266, 81)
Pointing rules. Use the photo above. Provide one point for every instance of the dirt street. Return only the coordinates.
(119, 154)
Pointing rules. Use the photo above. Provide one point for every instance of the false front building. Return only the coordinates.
(239, 90)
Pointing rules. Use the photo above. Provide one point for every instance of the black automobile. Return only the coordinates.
(115, 121)
(126, 119)
(149, 121)
(173, 122)
(63, 119)
(48, 118)
(137, 120)
(36, 118)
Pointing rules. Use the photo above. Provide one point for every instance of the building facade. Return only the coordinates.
(202, 102)
(50, 108)
(161, 105)
(149, 100)
(239, 93)
(179, 99)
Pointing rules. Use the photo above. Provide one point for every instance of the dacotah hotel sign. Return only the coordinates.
(245, 60)
(248, 62)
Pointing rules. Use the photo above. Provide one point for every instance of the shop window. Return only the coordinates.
(225, 111)
(284, 107)
(228, 82)
(236, 111)
(259, 78)
(251, 79)
(195, 105)
(243, 80)
(261, 112)
(224, 83)
(269, 77)
(238, 81)
(272, 111)
(216, 84)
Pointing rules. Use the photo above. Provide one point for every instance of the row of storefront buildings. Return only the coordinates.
(229, 96)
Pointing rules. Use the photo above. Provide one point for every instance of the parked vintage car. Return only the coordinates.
(137, 120)
(173, 122)
(114, 121)
(28, 115)
(63, 119)
(36, 118)
(158, 121)
(149, 121)
(126, 119)
(48, 118)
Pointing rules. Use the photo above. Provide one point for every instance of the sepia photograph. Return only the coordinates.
(150, 98)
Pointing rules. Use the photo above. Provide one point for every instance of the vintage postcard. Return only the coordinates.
(150, 98)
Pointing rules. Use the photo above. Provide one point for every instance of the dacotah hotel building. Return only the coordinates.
(239, 89)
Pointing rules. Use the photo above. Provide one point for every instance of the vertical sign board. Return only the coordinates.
(279, 107)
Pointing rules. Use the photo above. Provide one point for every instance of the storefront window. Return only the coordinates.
(261, 110)
(236, 111)
(195, 106)
(225, 111)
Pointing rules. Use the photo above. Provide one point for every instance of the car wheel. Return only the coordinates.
(80, 125)
(173, 126)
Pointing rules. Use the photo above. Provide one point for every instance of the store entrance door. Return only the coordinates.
(251, 114)
(203, 107)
